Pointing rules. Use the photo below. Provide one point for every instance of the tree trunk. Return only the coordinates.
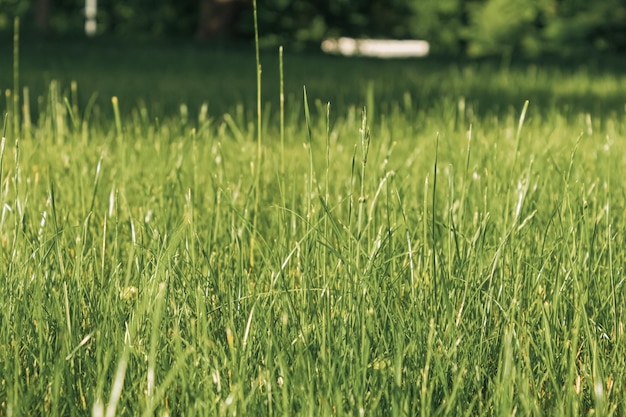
(42, 15)
(217, 18)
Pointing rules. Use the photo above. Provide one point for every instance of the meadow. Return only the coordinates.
(400, 238)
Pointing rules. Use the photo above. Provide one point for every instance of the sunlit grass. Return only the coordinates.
(439, 257)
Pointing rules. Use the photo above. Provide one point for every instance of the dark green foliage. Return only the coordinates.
(477, 27)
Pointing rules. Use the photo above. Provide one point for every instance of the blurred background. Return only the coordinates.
(453, 27)
(171, 56)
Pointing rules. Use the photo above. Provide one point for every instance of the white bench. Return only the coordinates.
(379, 48)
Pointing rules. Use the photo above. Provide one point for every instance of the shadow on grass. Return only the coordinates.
(163, 76)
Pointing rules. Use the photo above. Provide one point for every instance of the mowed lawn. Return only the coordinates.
(402, 238)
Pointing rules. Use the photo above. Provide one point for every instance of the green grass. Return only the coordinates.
(442, 253)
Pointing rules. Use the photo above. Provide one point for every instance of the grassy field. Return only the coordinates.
(450, 250)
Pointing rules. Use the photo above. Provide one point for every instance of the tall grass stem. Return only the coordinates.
(257, 168)
(282, 109)
(16, 76)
